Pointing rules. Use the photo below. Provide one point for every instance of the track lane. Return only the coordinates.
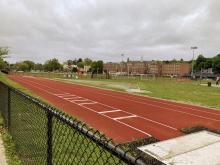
(149, 111)
(127, 138)
(162, 111)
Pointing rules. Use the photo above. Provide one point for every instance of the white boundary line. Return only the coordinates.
(124, 117)
(116, 108)
(98, 113)
(191, 114)
(135, 95)
(79, 100)
(88, 103)
(103, 112)
(203, 111)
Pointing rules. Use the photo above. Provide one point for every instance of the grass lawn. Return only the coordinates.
(186, 91)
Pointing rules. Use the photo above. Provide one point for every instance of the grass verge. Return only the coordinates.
(197, 129)
(10, 151)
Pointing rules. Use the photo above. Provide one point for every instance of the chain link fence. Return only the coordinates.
(45, 135)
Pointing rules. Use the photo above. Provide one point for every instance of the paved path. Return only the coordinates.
(2, 153)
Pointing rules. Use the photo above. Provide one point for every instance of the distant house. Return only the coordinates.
(207, 71)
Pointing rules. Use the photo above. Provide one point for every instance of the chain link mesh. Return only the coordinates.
(44, 135)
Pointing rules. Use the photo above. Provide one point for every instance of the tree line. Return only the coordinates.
(53, 65)
(205, 63)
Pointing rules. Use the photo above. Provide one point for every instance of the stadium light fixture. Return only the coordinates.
(193, 48)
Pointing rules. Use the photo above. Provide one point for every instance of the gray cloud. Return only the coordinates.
(162, 29)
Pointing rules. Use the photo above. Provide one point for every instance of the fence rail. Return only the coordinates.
(45, 135)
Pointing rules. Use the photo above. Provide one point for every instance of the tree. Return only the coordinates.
(3, 64)
(38, 66)
(200, 63)
(80, 65)
(216, 64)
(208, 63)
(97, 66)
(79, 60)
(30, 64)
(23, 67)
(3, 52)
(87, 61)
(52, 65)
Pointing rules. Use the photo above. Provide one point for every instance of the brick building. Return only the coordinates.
(137, 67)
(176, 69)
(154, 68)
(115, 67)
(149, 67)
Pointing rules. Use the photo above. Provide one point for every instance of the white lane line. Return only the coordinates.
(34, 86)
(58, 94)
(88, 103)
(66, 97)
(176, 104)
(157, 102)
(78, 100)
(191, 114)
(119, 121)
(152, 121)
(71, 98)
(125, 112)
(98, 113)
(103, 112)
(134, 128)
(124, 117)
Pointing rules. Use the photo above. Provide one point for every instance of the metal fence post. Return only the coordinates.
(49, 138)
(9, 109)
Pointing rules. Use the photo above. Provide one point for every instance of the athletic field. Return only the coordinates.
(121, 116)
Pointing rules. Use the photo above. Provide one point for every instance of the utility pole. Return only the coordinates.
(193, 49)
(122, 56)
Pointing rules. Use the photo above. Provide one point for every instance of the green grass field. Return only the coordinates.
(186, 91)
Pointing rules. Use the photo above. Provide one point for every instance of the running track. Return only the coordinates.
(121, 116)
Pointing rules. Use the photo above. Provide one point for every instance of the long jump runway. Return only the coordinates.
(121, 116)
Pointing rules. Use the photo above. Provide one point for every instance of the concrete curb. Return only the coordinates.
(2, 152)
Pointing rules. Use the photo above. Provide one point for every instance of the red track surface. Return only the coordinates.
(121, 116)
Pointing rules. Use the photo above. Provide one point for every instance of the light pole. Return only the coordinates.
(193, 49)
(122, 56)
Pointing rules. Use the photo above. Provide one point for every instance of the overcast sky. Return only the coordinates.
(104, 29)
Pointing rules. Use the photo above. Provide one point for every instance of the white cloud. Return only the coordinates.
(162, 29)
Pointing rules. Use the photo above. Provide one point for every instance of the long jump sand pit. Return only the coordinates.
(200, 148)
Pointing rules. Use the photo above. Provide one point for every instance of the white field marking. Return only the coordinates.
(159, 99)
(88, 103)
(118, 110)
(58, 94)
(71, 98)
(147, 119)
(104, 115)
(124, 111)
(187, 113)
(152, 121)
(134, 128)
(159, 102)
(79, 100)
(124, 117)
(119, 122)
(35, 86)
